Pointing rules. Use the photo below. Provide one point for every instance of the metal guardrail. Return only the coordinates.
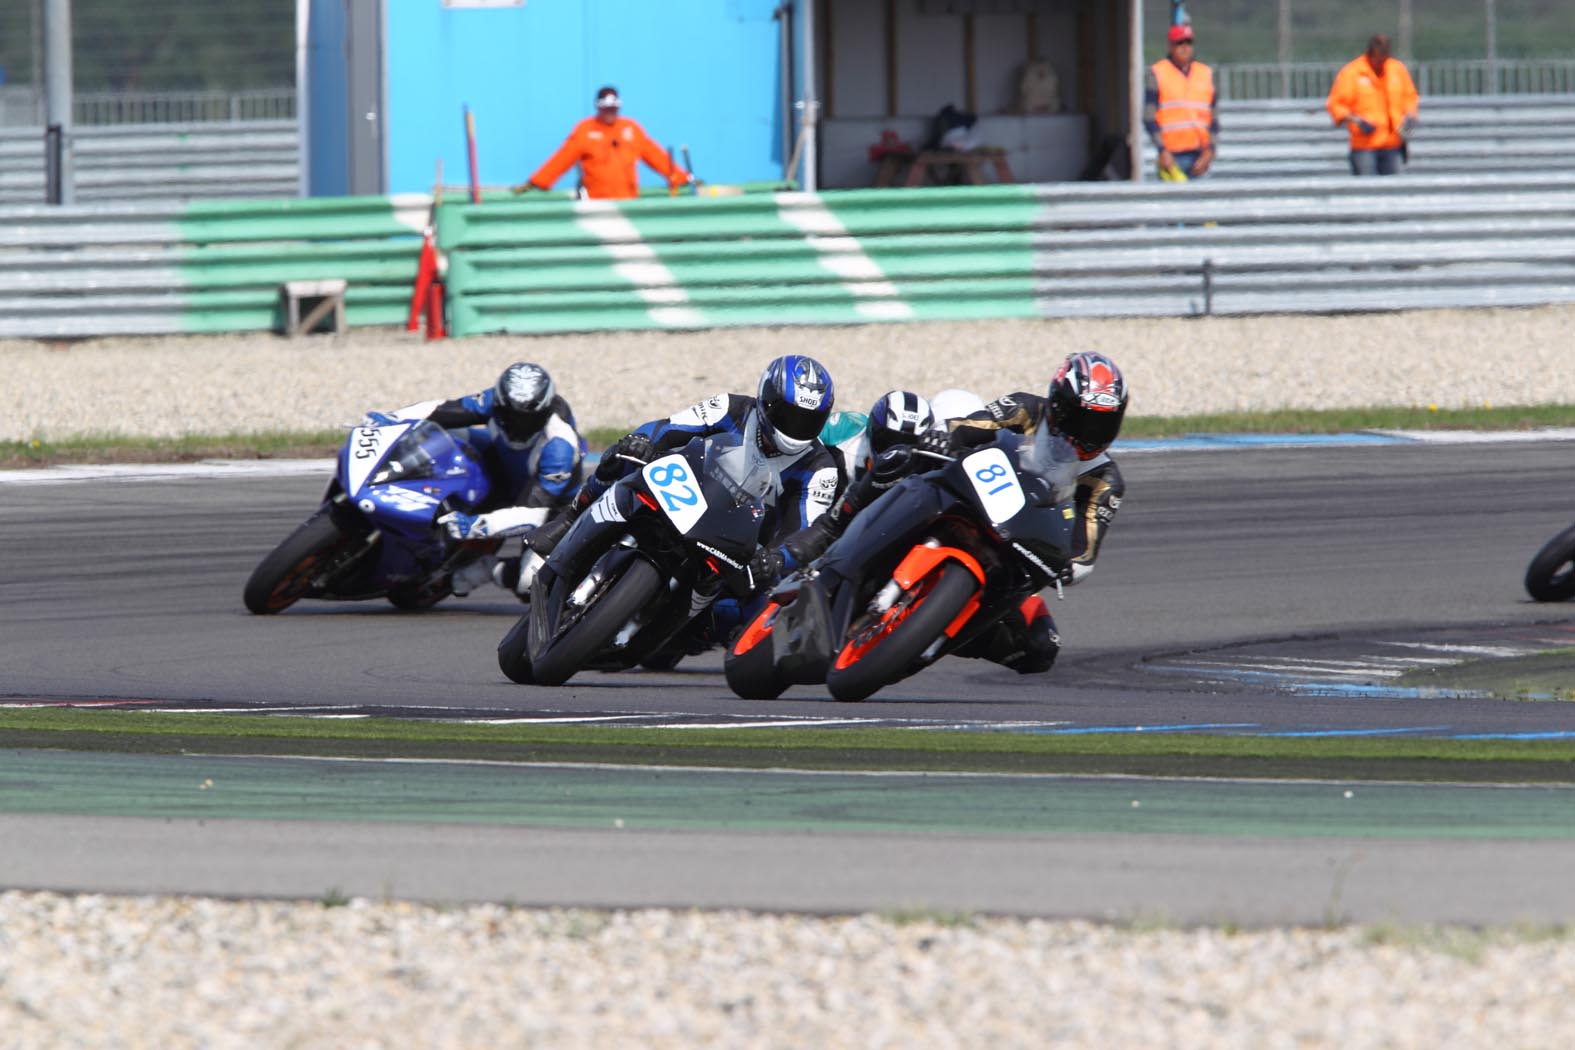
(69, 272)
(20, 105)
(159, 162)
(1302, 245)
(1312, 80)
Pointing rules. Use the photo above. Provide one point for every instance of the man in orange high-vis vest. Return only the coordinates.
(607, 147)
(1374, 97)
(1178, 109)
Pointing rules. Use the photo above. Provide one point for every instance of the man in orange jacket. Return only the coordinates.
(607, 148)
(1178, 108)
(1374, 97)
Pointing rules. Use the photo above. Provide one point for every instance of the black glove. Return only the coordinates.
(1363, 126)
(765, 565)
(891, 466)
(634, 446)
(935, 442)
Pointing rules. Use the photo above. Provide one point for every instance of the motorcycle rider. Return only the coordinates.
(1084, 404)
(525, 436)
(784, 418)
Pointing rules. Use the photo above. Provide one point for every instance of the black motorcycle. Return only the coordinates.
(643, 561)
(1551, 575)
(925, 570)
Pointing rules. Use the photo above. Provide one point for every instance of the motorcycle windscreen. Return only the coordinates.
(1047, 468)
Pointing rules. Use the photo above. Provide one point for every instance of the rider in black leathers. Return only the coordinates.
(1085, 403)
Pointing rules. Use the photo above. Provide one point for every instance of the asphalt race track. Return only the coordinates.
(1267, 590)
(131, 589)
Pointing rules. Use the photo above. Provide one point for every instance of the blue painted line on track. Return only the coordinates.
(1394, 731)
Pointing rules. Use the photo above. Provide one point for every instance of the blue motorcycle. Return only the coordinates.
(376, 533)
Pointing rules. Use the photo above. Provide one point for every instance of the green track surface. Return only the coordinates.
(213, 787)
(886, 750)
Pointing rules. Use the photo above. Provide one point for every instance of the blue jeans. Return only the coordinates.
(1186, 160)
(1375, 162)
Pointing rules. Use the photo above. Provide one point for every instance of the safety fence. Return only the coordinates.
(1312, 80)
(1332, 244)
(211, 267)
(535, 265)
(171, 163)
(1463, 136)
(21, 105)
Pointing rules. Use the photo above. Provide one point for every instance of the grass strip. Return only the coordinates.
(115, 448)
(1140, 754)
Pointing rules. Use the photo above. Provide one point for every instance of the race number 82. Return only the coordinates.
(672, 485)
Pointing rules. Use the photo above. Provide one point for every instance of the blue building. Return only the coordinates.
(386, 83)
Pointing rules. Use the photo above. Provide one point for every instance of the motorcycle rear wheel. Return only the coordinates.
(597, 625)
(1551, 575)
(750, 665)
(891, 655)
(286, 573)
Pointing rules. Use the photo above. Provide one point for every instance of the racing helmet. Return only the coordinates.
(898, 418)
(793, 402)
(1088, 398)
(522, 400)
(955, 404)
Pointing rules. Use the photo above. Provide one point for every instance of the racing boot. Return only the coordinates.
(1038, 644)
(472, 574)
(516, 574)
(550, 533)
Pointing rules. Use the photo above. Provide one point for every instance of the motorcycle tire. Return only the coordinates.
(858, 671)
(1551, 575)
(750, 664)
(596, 626)
(414, 598)
(514, 653)
(284, 576)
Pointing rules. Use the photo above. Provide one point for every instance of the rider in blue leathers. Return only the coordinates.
(525, 437)
(791, 404)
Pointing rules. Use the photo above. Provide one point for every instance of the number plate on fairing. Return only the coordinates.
(676, 489)
(995, 483)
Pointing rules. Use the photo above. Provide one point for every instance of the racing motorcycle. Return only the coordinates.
(376, 533)
(643, 561)
(1551, 575)
(925, 570)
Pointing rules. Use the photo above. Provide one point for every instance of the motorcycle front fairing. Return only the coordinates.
(401, 477)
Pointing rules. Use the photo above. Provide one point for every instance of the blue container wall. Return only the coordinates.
(702, 73)
(327, 105)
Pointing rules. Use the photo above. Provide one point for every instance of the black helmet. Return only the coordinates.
(793, 402)
(1088, 398)
(522, 400)
(898, 418)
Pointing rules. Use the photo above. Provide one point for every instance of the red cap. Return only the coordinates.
(1179, 33)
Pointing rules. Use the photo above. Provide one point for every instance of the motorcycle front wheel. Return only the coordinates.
(597, 625)
(750, 666)
(288, 572)
(514, 653)
(1551, 575)
(885, 651)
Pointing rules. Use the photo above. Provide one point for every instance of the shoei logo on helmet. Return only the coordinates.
(809, 384)
(1101, 391)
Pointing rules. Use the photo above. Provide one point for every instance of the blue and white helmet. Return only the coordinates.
(898, 418)
(793, 402)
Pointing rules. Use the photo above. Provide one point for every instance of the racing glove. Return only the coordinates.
(935, 443)
(508, 521)
(765, 565)
(614, 460)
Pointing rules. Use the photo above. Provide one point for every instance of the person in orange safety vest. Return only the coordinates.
(1374, 97)
(1178, 109)
(607, 148)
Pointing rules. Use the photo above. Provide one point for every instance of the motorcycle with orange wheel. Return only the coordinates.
(928, 568)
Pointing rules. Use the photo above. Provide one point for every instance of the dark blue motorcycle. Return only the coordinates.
(376, 533)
